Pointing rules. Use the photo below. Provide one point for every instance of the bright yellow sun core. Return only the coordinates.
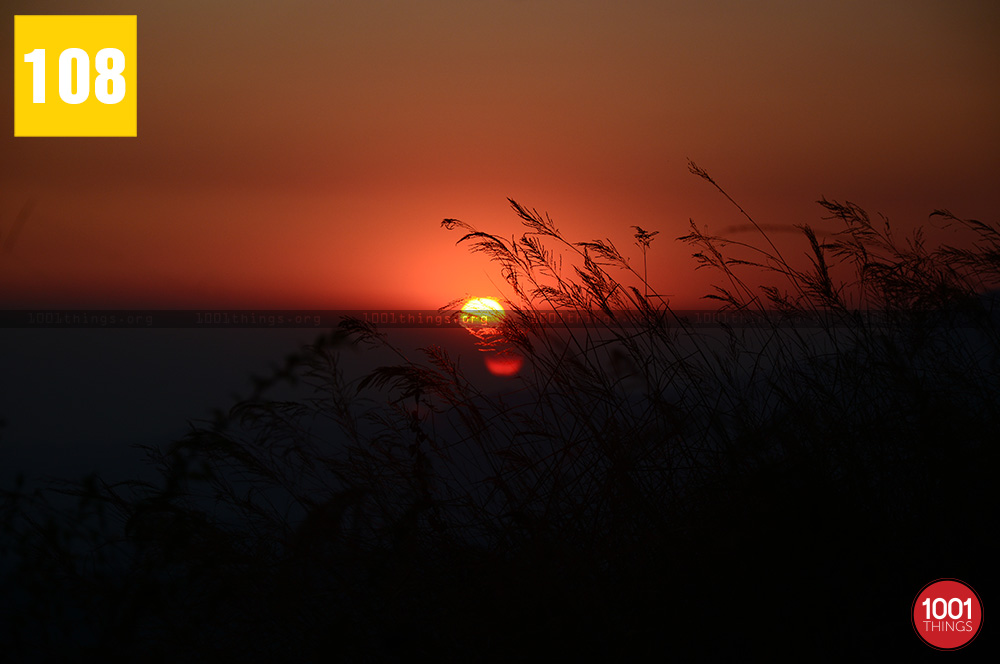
(480, 312)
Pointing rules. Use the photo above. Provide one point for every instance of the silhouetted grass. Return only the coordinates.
(650, 487)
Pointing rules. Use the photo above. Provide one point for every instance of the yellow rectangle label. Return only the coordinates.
(75, 76)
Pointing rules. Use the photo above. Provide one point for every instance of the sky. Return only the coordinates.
(302, 154)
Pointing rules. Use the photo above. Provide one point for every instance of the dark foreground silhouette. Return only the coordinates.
(758, 489)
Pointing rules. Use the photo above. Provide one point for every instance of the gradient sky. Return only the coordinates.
(302, 154)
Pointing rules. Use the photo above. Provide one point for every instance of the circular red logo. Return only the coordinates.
(947, 614)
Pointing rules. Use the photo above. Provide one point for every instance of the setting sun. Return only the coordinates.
(480, 313)
(481, 316)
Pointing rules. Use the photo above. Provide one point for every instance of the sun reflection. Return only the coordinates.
(504, 363)
(481, 316)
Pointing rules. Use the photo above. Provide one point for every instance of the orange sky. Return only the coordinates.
(302, 154)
